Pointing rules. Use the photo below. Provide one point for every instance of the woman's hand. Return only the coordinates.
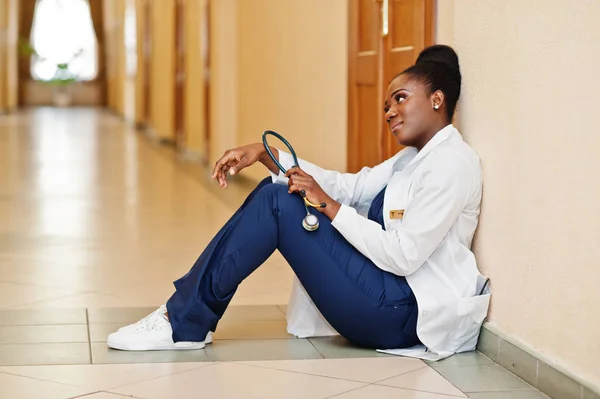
(235, 160)
(300, 180)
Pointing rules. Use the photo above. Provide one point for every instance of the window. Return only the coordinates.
(63, 37)
(130, 39)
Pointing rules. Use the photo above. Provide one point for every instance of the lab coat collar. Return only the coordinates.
(435, 141)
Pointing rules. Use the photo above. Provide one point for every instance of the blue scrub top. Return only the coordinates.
(376, 209)
(376, 214)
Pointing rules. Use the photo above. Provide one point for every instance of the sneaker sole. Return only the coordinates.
(153, 346)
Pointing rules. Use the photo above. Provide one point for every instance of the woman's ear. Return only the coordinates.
(437, 99)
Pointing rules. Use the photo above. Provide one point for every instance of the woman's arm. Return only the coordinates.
(435, 208)
(346, 188)
(266, 160)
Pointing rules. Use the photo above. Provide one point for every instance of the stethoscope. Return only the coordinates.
(310, 221)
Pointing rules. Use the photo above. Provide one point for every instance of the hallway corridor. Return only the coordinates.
(97, 220)
(99, 216)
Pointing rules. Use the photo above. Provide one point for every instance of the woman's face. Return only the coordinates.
(410, 113)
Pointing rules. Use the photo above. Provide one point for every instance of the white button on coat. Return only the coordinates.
(440, 193)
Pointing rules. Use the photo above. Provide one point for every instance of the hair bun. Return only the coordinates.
(442, 54)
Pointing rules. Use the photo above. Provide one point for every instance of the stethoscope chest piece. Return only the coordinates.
(310, 222)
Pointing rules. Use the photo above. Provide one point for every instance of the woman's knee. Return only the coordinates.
(280, 201)
(265, 182)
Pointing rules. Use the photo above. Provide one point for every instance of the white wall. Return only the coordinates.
(529, 107)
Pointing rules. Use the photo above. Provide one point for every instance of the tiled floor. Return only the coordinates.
(97, 221)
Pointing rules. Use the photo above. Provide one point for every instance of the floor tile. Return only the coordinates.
(12, 294)
(44, 354)
(231, 380)
(482, 379)
(102, 354)
(488, 344)
(15, 387)
(556, 384)
(99, 377)
(381, 392)
(11, 317)
(463, 359)
(367, 370)
(141, 293)
(252, 329)
(509, 395)
(261, 349)
(518, 362)
(588, 394)
(43, 334)
(243, 313)
(424, 379)
(99, 332)
(104, 395)
(337, 347)
(266, 298)
(125, 315)
(56, 274)
(90, 300)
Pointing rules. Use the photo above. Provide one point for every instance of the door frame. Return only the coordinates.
(353, 31)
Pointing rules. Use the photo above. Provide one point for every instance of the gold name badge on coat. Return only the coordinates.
(397, 214)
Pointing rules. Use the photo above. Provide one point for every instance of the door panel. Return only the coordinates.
(375, 59)
(368, 18)
(364, 107)
(407, 23)
(405, 42)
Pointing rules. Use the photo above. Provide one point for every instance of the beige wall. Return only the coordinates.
(274, 65)
(223, 77)
(163, 69)
(292, 76)
(529, 108)
(194, 111)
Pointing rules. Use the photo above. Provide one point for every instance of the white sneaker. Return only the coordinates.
(152, 333)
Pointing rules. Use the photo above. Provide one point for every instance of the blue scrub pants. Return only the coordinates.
(366, 305)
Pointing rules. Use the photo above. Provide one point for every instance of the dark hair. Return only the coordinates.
(437, 67)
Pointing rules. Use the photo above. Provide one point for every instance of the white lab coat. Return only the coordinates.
(439, 188)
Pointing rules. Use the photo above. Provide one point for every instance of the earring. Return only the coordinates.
(436, 106)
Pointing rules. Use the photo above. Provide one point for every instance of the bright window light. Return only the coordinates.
(63, 33)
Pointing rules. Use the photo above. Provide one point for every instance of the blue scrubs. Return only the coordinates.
(366, 305)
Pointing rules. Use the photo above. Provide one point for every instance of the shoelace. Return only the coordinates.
(150, 321)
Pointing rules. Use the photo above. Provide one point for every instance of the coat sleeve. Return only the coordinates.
(351, 189)
(439, 199)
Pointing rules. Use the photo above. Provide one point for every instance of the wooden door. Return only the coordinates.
(179, 74)
(364, 108)
(385, 38)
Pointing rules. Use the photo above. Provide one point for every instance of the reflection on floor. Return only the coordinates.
(97, 221)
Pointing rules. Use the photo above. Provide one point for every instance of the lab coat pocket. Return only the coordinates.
(471, 311)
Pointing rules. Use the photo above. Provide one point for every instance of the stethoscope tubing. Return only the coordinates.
(305, 201)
